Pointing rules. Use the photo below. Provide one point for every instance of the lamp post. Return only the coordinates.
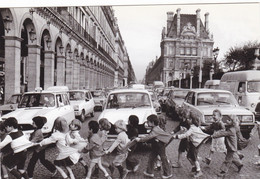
(180, 80)
(211, 72)
(215, 56)
(191, 76)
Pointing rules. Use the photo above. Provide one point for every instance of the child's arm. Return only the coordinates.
(70, 140)
(52, 139)
(113, 146)
(222, 133)
(38, 136)
(185, 135)
(6, 141)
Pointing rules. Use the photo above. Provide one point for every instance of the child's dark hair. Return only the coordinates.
(154, 119)
(94, 126)
(39, 121)
(195, 119)
(11, 122)
(133, 120)
(2, 126)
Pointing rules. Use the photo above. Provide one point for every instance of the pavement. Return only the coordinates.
(249, 171)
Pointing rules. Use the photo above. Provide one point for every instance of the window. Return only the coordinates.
(194, 51)
(191, 98)
(182, 51)
(188, 52)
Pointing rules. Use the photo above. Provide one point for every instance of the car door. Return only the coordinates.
(65, 108)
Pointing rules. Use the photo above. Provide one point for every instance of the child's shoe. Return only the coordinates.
(176, 165)
(221, 174)
(207, 160)
(240, 167)
(193, 169)
(198, 174)
(148, 174)
(166, 177)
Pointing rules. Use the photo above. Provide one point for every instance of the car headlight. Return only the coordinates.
(247, 119)
(76, 107)
(208, 119)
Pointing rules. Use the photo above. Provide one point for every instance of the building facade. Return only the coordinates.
(80, 47)
(186, 43)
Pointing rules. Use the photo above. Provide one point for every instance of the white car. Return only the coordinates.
(49, 104)
(122, 103)
(203, 102)
(82, 102)
(99, 99)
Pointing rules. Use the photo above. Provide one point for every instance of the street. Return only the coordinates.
(249, 171)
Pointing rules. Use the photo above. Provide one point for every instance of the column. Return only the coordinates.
(48, 69)
(87, 76)
(90, 77)
(75, 74)
(82, 75)
(12, 65)
(60, 70)
(69, 72)
(34, 62)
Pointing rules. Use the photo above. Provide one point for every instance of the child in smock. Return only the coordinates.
(217, 144)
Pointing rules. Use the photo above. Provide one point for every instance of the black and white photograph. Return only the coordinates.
(130, 89)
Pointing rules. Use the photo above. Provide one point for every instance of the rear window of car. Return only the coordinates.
(128, 100)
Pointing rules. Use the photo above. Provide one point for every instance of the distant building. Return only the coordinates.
(185, 43)
(80, 47)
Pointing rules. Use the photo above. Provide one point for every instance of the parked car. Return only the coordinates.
(99, 99)
(120, 104)
(202, 102)
(174, 102)
(11, 104)
(155, 101)
(82, 102)
(50, 104)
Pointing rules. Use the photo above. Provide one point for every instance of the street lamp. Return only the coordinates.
(211, 72)
(215, 56)
(180, 80)
(191, 76)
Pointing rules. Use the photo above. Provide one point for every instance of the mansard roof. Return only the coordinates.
(186, 19)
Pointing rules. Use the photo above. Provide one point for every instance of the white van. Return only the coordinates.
(212, 84)
(245, 85)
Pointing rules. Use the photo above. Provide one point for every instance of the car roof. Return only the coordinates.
(45, 92)
(83, 90)
(129, 90)
(208, 90)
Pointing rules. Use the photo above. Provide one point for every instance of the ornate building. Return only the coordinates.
(80, 47)
(185, 43)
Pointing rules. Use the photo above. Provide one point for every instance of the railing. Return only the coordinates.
(105, 53)
(67, 17)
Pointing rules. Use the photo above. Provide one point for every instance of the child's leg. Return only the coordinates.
(102, 168)
(4, 171)
(63, 174)
(91, 166)
(70, 172)
(165, 163)
(228, 161)
(84, 165)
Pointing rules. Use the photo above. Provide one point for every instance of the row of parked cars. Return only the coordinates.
(57, 101)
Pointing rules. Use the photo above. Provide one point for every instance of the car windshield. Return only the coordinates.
(253, 86)
(13, 99)
(37, 100)
(96, 93)
(128, 100)
(180, 94)
(207, 99)
(76, 95)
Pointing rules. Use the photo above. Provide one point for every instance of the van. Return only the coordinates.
(212, 84)
(245, 85)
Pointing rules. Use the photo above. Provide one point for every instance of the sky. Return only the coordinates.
(232, 22)
(141, 27)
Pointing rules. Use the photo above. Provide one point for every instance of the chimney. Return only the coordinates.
(169, 21)
(198, 22)
(178, 21)
(207, 22)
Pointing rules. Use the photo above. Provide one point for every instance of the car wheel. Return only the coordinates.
(82, 116)
(92, 114)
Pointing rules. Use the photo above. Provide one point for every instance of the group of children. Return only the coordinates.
(72, 147)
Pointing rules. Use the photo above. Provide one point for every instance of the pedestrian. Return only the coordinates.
(95, 149)
(159, 139)
(196, 137)
(19, 144)
(184, 143)
(67, 156)
(231, 145)
(7, 150)
(104, 127)
(119, 144)
(74, 140)
(162, 125)
(255, 129)
(132, 163)
(217, 144)
(39, 152)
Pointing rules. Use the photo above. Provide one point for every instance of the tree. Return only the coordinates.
(240, 57)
